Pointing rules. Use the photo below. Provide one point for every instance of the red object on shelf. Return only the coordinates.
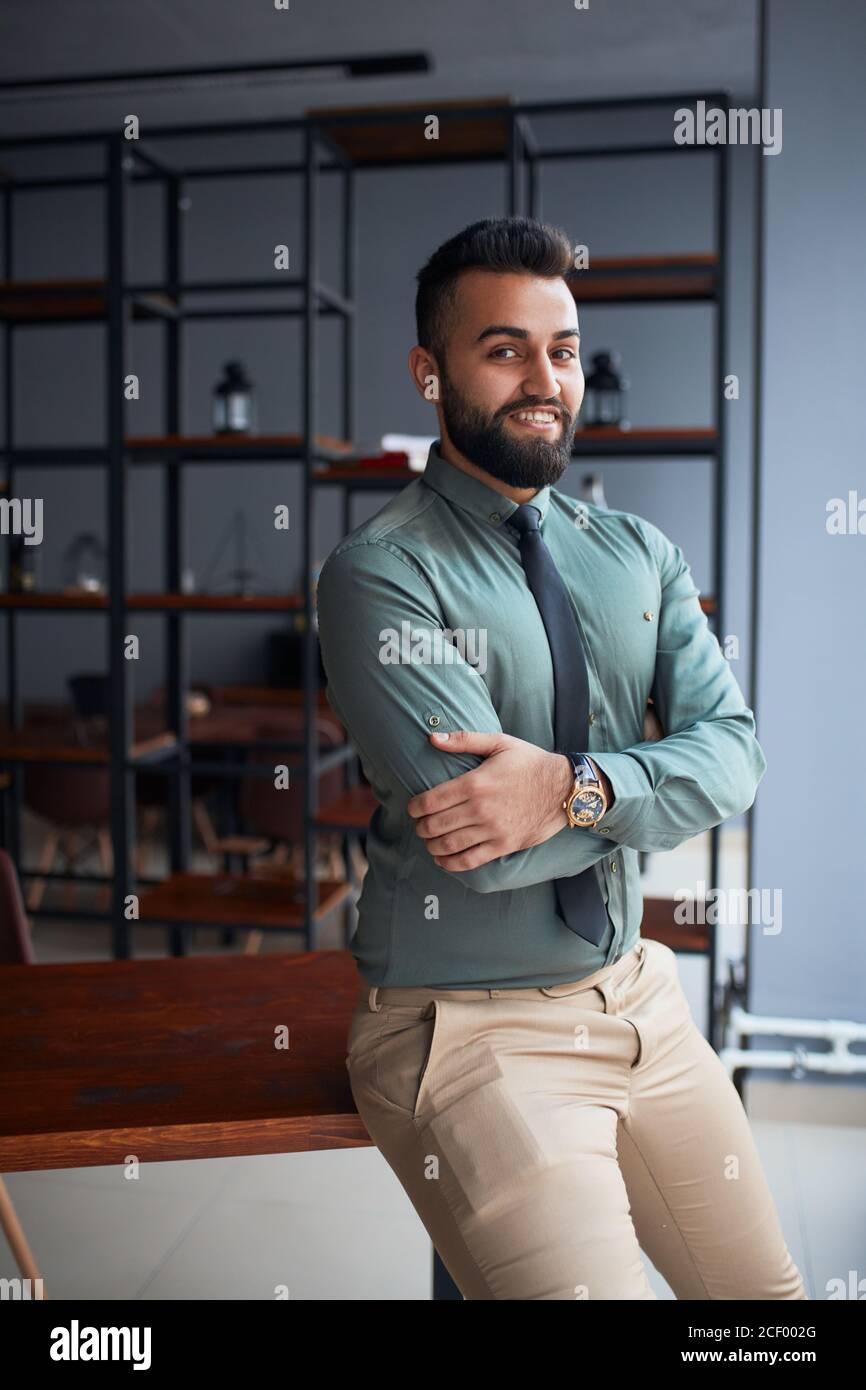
(395, 458)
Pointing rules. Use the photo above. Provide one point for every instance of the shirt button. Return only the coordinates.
(592, 716)
(603, 831)
(433, 720)
(495, 516)
(613, 868)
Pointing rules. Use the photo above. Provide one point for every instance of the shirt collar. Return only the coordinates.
(471, 494)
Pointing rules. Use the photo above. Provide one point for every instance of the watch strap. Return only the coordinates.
(582, 767)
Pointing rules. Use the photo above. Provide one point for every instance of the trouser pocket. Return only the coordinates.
(399, 1064)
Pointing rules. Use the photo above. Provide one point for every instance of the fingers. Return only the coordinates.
(457, 841)
(473, 858)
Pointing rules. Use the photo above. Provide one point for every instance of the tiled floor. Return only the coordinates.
(337, 1225)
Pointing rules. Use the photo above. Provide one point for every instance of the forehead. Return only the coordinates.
(540, 304)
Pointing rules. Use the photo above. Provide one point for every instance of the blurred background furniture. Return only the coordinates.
(15, 949)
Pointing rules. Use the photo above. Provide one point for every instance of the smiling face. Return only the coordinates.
(511, 384)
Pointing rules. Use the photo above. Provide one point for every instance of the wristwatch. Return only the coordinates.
(586, 803)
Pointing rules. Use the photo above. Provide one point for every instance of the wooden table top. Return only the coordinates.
(175, 1059)
(234, 726)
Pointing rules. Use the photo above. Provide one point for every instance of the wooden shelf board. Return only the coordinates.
(355, 473)
(217, 443)
(12, 750)
(287, 696)
(647, 434)
(644, 442)
(53, 749)
(690, 276)
(237, 603)
(650, 439)
(372, 142)
(238, 900)
(684, 259)
(34, 301)
(193, 603)
(217, 603)
(38, 600)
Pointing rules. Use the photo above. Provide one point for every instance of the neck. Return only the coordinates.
(452, 455)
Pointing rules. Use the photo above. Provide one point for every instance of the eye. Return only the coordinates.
(503, 348)
(569, 353)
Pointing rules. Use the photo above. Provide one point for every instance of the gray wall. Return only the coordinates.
(810, 816)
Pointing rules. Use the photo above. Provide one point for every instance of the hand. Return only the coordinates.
(512, 801)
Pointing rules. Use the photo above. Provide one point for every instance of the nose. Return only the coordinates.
(541, 379)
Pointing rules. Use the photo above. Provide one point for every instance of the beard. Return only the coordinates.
(486, 441)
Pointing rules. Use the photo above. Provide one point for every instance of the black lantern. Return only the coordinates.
(606, 391)
(85, 565)
(22, 566)
(234, 404)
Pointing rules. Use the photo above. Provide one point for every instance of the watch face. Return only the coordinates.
(587, 807)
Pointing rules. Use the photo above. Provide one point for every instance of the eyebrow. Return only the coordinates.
(510, 331)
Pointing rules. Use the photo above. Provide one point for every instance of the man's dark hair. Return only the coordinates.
(500, 244)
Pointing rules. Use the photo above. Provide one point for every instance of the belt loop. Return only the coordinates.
(611, 996)
(373, 999)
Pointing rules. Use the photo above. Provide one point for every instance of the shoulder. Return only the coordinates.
(383, 543)
(621, 529)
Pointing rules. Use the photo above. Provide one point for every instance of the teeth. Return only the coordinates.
(540, 417)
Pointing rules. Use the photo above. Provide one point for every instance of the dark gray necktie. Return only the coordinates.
(579, 897)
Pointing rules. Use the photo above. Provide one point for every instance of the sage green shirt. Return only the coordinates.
(426, 621)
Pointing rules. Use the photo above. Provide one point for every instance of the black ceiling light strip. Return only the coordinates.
(390, 64)
(383, 65)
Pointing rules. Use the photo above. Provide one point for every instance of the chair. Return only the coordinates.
(16, 948)
(73, 801)
(91, 699)
(279, 813)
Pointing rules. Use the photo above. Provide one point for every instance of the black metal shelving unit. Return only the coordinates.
(113, 302)
(330, 145)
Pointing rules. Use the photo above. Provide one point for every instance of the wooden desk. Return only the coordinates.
(286, 696)
(234, 726)
(175, 1059)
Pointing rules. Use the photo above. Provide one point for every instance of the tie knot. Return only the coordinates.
(526, 518)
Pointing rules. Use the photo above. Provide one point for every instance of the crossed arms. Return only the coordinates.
(704, 769)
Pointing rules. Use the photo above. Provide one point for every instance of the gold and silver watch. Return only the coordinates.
(586, 803)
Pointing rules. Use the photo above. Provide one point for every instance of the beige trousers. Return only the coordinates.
(546, 1135)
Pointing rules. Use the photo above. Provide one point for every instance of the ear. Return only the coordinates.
(425, 374)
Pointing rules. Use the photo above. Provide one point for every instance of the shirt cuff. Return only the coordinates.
(633, 796)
